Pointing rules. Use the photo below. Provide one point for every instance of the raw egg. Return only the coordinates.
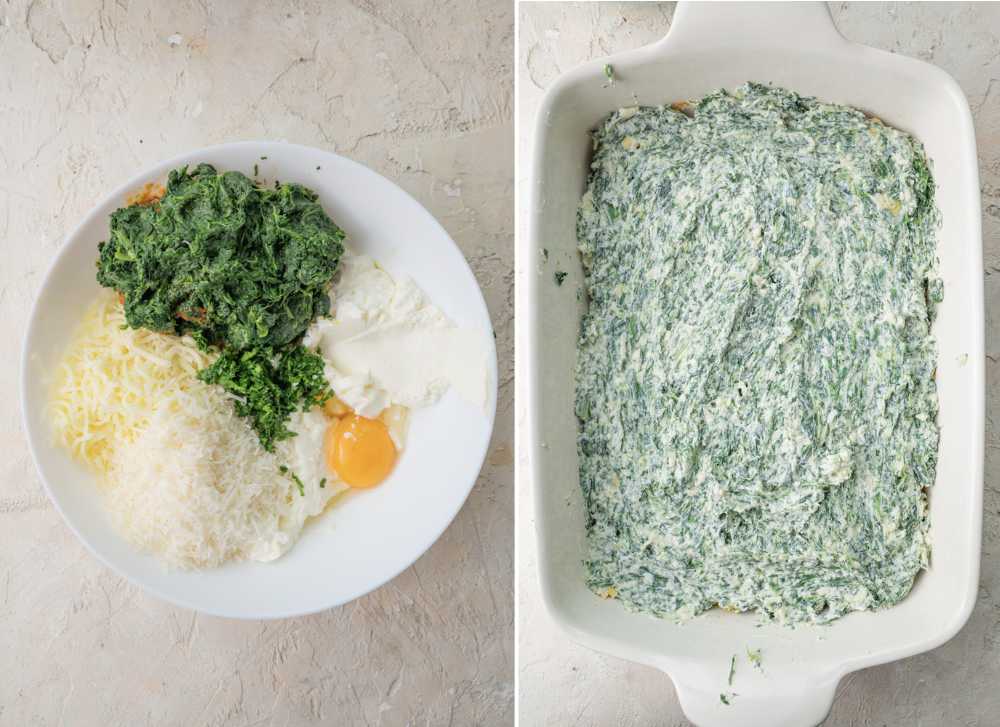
(335, 408)
(360, 450)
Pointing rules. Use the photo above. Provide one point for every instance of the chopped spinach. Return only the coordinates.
(269, 386)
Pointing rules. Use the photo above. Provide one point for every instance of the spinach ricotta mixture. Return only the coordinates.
(755, 376)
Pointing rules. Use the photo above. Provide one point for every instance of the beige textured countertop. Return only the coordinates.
(90, 93)
(957, 684)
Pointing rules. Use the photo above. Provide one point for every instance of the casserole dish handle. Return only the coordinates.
(701, 27)
(802, 703)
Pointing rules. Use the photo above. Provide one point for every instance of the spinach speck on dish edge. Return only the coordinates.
(238, 267)
(298, 484)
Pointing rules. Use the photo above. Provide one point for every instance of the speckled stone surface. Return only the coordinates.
(957, 684)
(90, 93)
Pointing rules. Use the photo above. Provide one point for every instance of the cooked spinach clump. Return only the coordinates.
(240, 268)
(220, 257)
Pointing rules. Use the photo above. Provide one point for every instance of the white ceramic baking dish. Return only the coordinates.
(713, 45)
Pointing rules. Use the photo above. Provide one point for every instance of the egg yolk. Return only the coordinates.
(360, 450)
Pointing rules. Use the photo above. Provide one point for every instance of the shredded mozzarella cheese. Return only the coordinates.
(112, 378)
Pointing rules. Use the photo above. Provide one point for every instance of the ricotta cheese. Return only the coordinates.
(385, 343)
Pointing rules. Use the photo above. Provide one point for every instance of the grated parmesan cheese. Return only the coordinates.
(183, 476)
(197, 489)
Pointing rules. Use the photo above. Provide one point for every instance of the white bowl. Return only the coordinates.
(795, 45)
(370, 536)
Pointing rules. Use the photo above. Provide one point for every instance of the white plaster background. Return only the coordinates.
(91, 92)
(958, 684)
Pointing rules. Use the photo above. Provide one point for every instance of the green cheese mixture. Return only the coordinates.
(755, 376)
